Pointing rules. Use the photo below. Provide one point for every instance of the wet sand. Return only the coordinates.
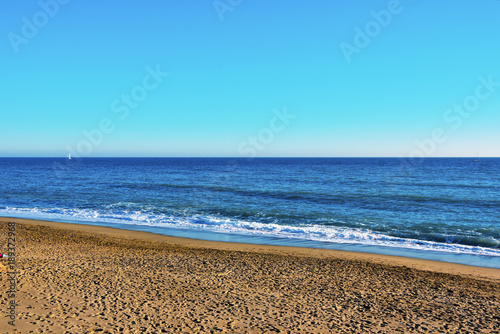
(87, 279)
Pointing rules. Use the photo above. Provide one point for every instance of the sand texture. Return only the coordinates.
(74, 279)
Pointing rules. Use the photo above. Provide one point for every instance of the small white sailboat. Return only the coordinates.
(69, 156)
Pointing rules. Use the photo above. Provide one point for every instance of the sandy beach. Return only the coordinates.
(86, 279)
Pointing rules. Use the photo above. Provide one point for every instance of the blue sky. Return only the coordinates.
(236, 67)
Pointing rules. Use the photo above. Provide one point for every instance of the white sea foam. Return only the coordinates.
(319, 233)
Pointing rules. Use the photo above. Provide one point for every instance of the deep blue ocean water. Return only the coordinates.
(444, 209)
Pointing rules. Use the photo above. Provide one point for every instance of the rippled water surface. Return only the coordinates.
(441, 207)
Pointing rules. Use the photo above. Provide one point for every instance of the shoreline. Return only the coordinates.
(478, 256)
(413, 263)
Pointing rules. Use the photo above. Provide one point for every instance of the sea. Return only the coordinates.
(445, 209)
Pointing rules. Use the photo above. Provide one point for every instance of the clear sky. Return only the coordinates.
(249, 78)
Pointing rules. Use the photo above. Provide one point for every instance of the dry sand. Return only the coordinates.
(87, 279)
